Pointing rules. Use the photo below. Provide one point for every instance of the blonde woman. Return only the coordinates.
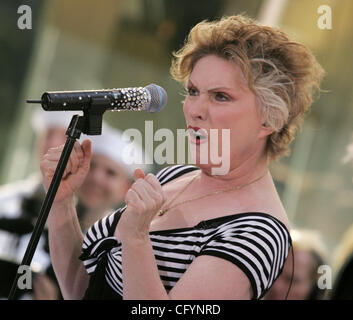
(187, 233)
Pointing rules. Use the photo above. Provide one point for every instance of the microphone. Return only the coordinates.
(151, 98)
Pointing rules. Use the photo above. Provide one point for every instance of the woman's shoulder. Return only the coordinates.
(256, 242)
(245, 220)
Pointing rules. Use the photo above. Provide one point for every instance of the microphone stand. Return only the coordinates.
(89, 123)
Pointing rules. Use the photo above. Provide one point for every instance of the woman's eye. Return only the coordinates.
(221, 96)
(192, 92)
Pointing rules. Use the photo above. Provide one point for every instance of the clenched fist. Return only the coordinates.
(143, 200)
(75, 172)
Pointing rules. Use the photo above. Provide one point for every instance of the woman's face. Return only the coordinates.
(218, 98)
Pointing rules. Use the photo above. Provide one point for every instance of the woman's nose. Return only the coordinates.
(198, 107)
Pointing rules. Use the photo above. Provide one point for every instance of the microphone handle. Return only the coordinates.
(135, 99)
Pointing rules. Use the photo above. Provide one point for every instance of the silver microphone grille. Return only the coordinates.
(158, 98)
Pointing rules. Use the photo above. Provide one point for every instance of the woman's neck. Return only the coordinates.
(253, 168)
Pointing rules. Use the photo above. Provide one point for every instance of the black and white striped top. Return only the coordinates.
(255, 242)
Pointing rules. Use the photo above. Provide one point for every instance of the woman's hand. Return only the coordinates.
(75, 172)
(143, 200)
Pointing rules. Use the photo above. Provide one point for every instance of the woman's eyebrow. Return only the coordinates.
(190, 83)
(221, 88)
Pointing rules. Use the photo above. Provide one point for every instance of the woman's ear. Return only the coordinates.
(265, 130)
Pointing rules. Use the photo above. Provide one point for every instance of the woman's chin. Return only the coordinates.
(204, 167)
(213, 169)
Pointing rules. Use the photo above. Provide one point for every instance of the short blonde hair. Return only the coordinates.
(283, 74)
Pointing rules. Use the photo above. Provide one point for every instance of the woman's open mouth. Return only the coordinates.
(197, 135)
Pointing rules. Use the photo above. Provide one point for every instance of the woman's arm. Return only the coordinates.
(65, 235)
(207, 278)
(139, 269)
(140, 272)
(65, 243)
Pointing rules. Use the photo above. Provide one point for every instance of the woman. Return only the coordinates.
(187, 233)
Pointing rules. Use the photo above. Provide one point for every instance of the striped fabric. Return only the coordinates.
(255, 242)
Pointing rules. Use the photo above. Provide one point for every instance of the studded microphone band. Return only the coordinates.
(135, 99)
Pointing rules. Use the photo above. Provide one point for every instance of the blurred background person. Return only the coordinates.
(309, 254)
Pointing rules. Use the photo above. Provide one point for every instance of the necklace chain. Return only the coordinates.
(161, 212)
